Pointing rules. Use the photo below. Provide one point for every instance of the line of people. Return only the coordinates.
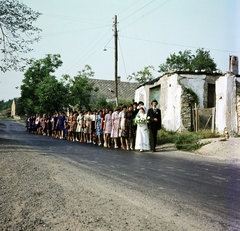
(126, 127)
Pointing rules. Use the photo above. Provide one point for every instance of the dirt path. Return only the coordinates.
(221, 148)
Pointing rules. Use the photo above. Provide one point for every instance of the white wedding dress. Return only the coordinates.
(142, 138)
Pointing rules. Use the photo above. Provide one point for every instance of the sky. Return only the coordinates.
(148, 32)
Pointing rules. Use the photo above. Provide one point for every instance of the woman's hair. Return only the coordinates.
(118, 108)
(143, 108)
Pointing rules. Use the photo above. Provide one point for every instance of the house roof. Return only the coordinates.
(126, 90)
(180, 72)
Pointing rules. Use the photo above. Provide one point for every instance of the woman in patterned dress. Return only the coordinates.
(98, 126)
(88, 126)
(122, 131)
(115, 126)
(79, 129)
(108, 128)
(70, 126)
(74, 126)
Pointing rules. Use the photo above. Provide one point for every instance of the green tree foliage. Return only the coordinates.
(79, 89)
(17, 33)
(51, 95)
(5, 104)
(203, 61)
(99, 102)
(41, 92)
(143, 75)
(40, 89)
(186, 61)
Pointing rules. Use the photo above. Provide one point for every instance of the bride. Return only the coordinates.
(142, 138)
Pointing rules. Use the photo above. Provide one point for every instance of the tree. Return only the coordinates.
(177, 62)
(40, 88)
(79, 89)
(17, 34)
(5, 105)
(203, 60)
(51, 95)
(186, 61)
(142, 76)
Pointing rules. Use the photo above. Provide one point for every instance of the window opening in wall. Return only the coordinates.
(211, 100)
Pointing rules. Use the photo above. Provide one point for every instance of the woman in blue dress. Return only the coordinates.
(60, 125)
(98, 126)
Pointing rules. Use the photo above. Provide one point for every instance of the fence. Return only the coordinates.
(204, 119)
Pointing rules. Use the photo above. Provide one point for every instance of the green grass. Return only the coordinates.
(187, 141)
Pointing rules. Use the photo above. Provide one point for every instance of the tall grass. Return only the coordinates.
(187, 141)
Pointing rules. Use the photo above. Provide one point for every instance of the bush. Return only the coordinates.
(187, 141)
(165, 137)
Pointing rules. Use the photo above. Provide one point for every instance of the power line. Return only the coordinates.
(162, 4)
(128, 7)
(123, 59)
(137, 10)
(95, 37)
(83, 20)
(87, 55)
(75, 31)
(179, 45)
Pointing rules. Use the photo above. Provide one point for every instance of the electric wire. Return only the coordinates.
(137, 10)
(137, 19)
(122, 58)
(179, 45)
(76, 31)
(128, 7)
(95, 37)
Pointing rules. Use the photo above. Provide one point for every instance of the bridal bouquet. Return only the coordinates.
(140, 120)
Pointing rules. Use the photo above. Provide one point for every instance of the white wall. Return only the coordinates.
(140, 95)
(196, 83)
(226, 115)
(170, 102)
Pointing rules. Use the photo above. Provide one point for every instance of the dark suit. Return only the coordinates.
(135, 112)
(154, 126)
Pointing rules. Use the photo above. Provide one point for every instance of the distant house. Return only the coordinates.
(126, 90)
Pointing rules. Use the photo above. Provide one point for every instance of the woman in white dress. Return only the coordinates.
(142, 138)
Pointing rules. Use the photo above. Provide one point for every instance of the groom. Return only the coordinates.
(155, 124)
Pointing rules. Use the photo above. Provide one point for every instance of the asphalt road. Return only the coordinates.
(199, 185)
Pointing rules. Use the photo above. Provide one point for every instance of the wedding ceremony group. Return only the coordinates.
(132, 127)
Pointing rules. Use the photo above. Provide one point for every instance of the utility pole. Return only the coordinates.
(116, 58)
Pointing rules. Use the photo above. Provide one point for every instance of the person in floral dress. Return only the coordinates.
(88, 126)
(122, 130)
(115, 126)
(79, 129)
(74, 126)
(108, 128)
(98, 126)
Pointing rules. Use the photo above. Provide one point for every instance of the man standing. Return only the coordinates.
(155, 123)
